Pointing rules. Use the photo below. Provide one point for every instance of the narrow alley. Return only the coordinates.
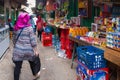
(52, 67)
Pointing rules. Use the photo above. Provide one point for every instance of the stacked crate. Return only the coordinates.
(66, 44)
(91, 63)
(46, 39)
(87, 74)
(69, 48)
(64, 37)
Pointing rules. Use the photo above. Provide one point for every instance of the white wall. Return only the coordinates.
(31, 5)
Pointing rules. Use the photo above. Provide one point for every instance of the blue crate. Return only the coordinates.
(91, 56)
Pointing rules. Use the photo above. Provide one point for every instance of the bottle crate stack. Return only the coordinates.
(87, 74)
(46, 39)
(91, 63)
(66, 44)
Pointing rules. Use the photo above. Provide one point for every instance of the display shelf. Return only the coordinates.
(112, 56)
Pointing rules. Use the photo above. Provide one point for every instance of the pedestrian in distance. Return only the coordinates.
(25, 46)
(35, 20)
(10, 28)
(33, 24)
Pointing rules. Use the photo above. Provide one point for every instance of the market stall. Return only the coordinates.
(96, 27)
(109, 54)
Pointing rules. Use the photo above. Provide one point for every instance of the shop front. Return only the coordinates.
(4, 29)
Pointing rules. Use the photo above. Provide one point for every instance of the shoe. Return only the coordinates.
(37, 76)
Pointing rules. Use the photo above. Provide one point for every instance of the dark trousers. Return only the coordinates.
(34, 29)
(40, 33)
(18, 66)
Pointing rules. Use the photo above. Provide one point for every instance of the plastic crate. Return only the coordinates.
(46, 39)
(63, 46)
(87, 74)
(91, 56)
(47, 42)
(64, 33)
(69, 53)
(46, 36)
(69, 44)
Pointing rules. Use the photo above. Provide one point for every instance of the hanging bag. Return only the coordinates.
(35, 65)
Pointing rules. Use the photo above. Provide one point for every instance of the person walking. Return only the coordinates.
(10, 28)
(40, 24)
(35, 20)
(33, 24)
(25, 45)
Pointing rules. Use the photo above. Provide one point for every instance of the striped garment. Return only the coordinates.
(23, 49)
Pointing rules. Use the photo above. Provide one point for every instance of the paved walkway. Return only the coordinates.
(53, 67)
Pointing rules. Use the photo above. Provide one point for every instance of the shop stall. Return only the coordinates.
(97, 28)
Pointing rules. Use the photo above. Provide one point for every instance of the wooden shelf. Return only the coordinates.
(114, 49)
(112, 56)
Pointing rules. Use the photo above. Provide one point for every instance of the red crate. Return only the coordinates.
(69, 44)
(46, 39)
(47, 42)
(46, 36)
(62, 40)
(63, 46)
(69, 53)
(64, 33)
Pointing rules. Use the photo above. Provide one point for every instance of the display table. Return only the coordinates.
(114, 57)
(109, 54)
(4, 40)
(80, 42)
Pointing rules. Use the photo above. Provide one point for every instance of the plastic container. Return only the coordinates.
(47, 39)
(91, 56)
(88, 74)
